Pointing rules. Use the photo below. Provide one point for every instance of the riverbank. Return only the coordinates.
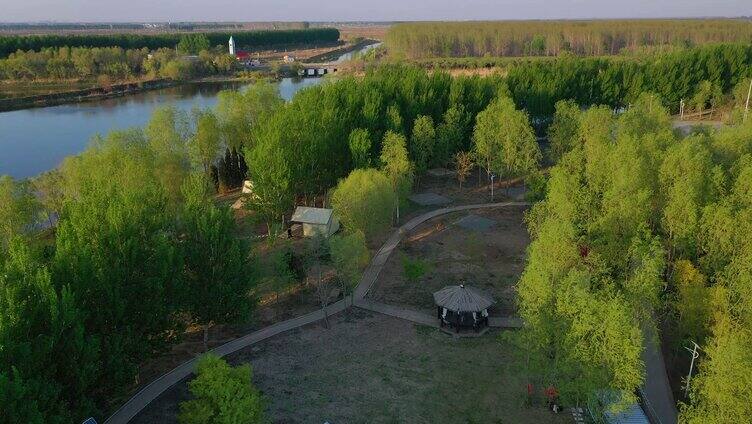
(37, 139)
(337, 54)
(83, 95)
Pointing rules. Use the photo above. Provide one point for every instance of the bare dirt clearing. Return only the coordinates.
(491, 260)
(376, 369)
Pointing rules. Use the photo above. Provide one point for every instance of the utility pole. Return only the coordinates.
(746, 106)
(695, 355)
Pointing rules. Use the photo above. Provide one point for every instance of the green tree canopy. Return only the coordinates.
(422, 143)
(217, 273)
(563, 134)
(349, 255)
(396, 163)
(193, 44)
(223, 394)
(47, 362)
(204, 146)
(360, 148)
(364, 201)
(504, 141)
(18, 209)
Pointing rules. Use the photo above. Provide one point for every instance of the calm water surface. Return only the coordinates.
(36, 140)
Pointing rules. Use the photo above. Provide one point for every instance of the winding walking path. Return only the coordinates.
(151, 391)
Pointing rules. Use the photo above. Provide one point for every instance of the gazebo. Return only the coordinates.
(462, 306)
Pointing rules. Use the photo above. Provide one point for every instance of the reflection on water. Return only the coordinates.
(36, 140)
(348, 56)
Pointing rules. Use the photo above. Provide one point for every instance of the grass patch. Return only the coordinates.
(414, 269)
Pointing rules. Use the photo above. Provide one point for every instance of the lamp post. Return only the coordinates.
(492, 176)
(746, 106)
(695, 355)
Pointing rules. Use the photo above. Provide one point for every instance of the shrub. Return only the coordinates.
(223, 394)
(414, 269)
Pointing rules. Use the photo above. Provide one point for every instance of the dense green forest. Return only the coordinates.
(243, 39)
(550, 38)
(637, 224)
(79, 312)
(537, 83)
(617, 82)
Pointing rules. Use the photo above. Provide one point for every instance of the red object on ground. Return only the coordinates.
(529, 389)
(551, 392)
(240, 55)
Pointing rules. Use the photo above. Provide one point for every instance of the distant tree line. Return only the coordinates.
(537, 85)
(699, 75)
(550, 38)
(245, 39)
(114, 63)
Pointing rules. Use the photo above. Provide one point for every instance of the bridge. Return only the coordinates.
(312, 70)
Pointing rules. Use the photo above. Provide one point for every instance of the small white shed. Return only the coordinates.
(247, 187)
(316, 221)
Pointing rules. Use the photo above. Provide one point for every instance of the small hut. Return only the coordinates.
(247, 187)
(316, 221)
(462, 306)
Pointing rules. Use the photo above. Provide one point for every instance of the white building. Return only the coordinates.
(232, 46)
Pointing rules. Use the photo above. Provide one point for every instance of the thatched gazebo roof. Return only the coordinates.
(463, 299)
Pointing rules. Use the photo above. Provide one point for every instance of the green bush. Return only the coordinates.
(223, 394)
(414, 269)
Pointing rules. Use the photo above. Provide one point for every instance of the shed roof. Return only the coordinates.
(463, 298)
(308, 215)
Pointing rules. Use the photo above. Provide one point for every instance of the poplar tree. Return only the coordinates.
(396, 165)
(217, 273)
(422, 143)
(204, 146)
(504, 141)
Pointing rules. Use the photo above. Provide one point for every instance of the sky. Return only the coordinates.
(358, 10)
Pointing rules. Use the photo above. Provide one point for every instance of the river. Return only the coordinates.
(36, 140)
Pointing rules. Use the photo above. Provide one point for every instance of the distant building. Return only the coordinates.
(289, 59)
(240, 55)
(316, 221)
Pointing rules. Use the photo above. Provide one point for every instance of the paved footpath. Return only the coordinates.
(656, 392)
(146, 395)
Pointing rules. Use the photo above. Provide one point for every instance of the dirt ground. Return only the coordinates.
(375, 31)
(369, 368)
(491, 260)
